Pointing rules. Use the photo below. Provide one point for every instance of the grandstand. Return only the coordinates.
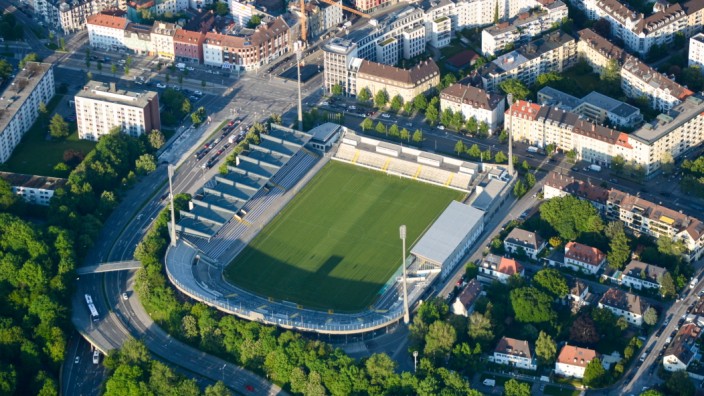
(406, 162)
(226, 197)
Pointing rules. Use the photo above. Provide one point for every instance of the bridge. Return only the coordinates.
(109, 267)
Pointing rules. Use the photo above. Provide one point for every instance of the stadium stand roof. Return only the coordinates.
(488, 195)
(447, 232)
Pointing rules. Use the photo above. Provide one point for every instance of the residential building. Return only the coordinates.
(70, 16)
(626, 305)
(579, 293)
(696, 51)
(596, 107)
(101, 107)
(464, 303)
(474, 103)
(162, 36)
(683, 348)
(639, 275)
(338, 55)
(583, 258)
(406, 83)
(559, 185)
(638, 32)
(19, 104)
(370, 5)
(242, 11)
(514, 353)
(188, 46)
(639, 79)
(552, 53)
(138, 38)
(106, 31)
(572, 361)
(33, 189)
(500, 268)
(645, 217)
(522, 28)
(599, 52)
(323, 17)
(530, 242)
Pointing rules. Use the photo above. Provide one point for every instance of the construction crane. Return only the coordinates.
(304, 22)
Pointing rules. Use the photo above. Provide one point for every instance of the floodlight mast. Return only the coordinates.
(173, 211)
(406, 314)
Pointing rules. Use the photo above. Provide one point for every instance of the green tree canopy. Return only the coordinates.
(515, 87)
(58, 128)
(515, 388)
(364, 95)
(530, 305)
(594, 373)
(545, 348)
(381, 98)
(571, 216)
(551, 281)
(619, 249)
(650, 316)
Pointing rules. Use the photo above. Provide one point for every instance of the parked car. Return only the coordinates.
(441, 127)
(385, 115)
(352, 107)
(189, 68)
(160, 85)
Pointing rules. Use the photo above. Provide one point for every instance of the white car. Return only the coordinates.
(77, 360)
(199, 93)
(124, 296)
(324, 103)
(385, 115)
(190, 68)
(352, 107)
(160, 85)
(441, 127)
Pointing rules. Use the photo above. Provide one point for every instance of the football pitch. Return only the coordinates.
(337, 242)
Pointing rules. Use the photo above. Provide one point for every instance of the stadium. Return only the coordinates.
(303, 232)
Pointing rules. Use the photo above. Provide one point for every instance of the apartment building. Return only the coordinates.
(552, 53)
(101, 107)
(598, 52)
(162, 37)
(500, 268)
(683, 348)
(248, 52)
(33, 189)
(407, 83)
(639, 79)
(572, 361)
(338, 55)
(559, 185)
(322, 17)
(242, 11)
(645, 217)
(696, 51)
(70, 16)
(583, 258)
(639, 275)
(107, 32)
(138, 38)
(514, 353)
(626, 305)
(530, 242)
(188, 46)
(524, 27)
(389, 37)
(596, 107)
(19, 104)
(638, 32)
(474, 103)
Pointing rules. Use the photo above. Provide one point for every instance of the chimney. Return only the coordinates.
(112, 87)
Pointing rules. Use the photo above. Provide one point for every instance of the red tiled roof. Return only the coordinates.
(107, 21)
(509, 266)
(583, 253)
(576, 356)
(464, 58)
(187, 36)
(524, 109)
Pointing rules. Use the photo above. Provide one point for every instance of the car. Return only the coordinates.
(441, 127)
(385, 115)
(124, 296)
(409, 124)
(575, 169)
(96, 356)
(530, 156)
(77, 360)
(160, 85)
(193, 98)
(352, 107)
(164, 196)
(189, 68)
(325, 103)
(198, 93)
(219, 151)
(249, 388)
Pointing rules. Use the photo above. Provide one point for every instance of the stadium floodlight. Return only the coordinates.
(510, 135)
(173, 213)
(406, 315)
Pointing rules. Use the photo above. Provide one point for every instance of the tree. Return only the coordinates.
(667, 163)
(603, 27)
(364, 95)
(530, 305)
(670, 247)
(156, 139)
(222, 9)
(530, 180)
(503, 136)
(545, 348)
(584, 331)
(472, 125)
(650, 316)
(394, 131)
(113, 70)
(546, 78)
(619, 249)
(480, 328)
(571, 216)
(254, 21)
(459, 147)
(43, 112)
(446, 117)
(500, 157)
(594, 374)
(397, 103)
(336, 90)
(680, 384)
(31, 57)
(457, 120)
(551, 281)
(219, 389)
(380, 127)
(186, 106)
(420, 102)
(58, 128)
(519, 189)
(408, 108)
(440, 338)
(515, 388)
(367, 124)
(418, 136)
(405, 135)
(667, 289)
(474, 151)
(618, 164)
(515, 87)
(380, 368)
(5, 69)
(381, 98)
(146, 163)
(496, 13)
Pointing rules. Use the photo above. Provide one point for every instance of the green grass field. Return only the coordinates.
(337, 243)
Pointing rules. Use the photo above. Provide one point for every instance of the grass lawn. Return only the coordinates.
(557, 391)
(35, 155)
(336, 243)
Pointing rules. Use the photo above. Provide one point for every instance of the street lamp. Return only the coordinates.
(406, 315)
(415, 361)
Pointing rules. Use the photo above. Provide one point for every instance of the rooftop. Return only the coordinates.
(32, 181)
(682, 346)
(513, 347)
(579, 188)
(524, 238)
(602, 45)
(531, 50)
(19, 89)
(576, 356)
(442, 238)
(470, 293)
(624, 301)
(584, 254)
(549, 96)
(108, 21)
(413, 76)
(611, 105)
(475, 97)
(488, 194)
(654, 78)
(690, 108)
(340, 46)
(641, 270)
(110, 93)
